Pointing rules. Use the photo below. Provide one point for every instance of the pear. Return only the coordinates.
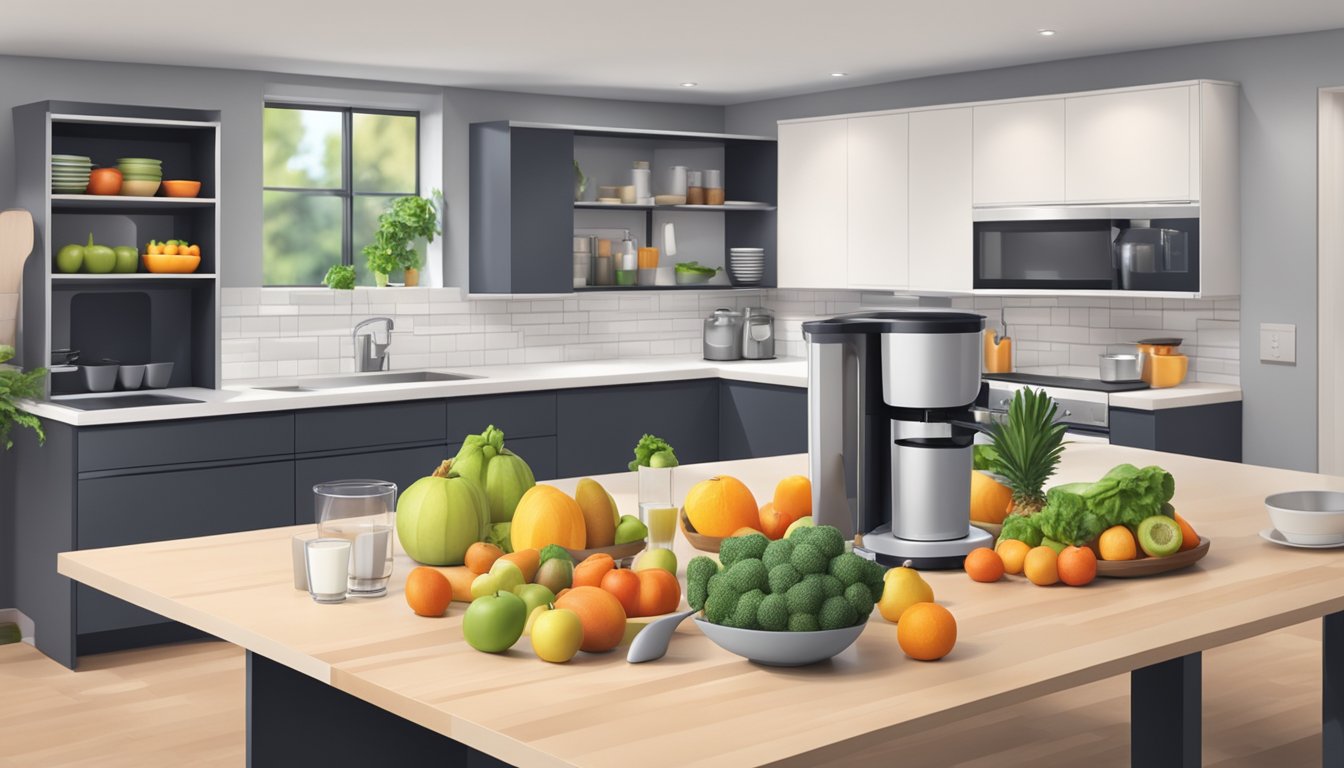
(901, 588)
(599, 512)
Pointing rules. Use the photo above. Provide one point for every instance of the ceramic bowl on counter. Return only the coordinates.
(1309, 518)
(781, 649)
(100, 375)
(157, 375)
(139, 188)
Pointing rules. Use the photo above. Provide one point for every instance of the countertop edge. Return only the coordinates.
(1184, 396)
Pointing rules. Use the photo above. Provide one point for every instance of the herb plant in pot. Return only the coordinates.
(16, 385)
(400, 227)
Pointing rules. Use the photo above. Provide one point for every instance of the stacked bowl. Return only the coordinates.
(140, 176)
(70, 174)
(746, 265)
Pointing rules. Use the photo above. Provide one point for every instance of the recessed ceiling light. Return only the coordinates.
(1046, 32)
(839, 74)
(689, 85)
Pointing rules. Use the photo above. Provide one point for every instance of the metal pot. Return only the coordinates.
(1121, 366)
(723, 335)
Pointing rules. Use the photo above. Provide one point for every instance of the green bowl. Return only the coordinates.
(140, 160)
(73, 158)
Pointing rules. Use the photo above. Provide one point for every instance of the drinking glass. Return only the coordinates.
(363, 513)
(657, 510)
(327, 565)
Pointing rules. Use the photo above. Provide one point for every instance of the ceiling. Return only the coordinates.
(735, 50)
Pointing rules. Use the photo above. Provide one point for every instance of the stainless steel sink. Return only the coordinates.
(318, 384)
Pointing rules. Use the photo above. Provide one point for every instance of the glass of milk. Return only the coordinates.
(363, 513)
(327, 563)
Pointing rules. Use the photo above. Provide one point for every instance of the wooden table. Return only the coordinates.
(417, 679)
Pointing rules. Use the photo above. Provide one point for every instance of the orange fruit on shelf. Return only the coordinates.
(480, 556)
(590, 571)
(659, 592)
(1077, 566)
(774, 522)
(793, 497)
(721, 505)
(601, 614)
(1189, 539)
(428, 592)
(1117, 543)
(926, 631)
(623, 583)
(1041, 566)
(527, 560)
(1013, 553)
(990, 499)
(984, 564)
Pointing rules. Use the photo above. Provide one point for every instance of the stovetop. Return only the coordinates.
(1067, 382)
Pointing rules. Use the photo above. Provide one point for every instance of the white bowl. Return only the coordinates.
(1308, 517)
(781, 649)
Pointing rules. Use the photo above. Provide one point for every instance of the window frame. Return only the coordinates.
(346, 191)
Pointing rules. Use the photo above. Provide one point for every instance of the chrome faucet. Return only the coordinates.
(369, 354)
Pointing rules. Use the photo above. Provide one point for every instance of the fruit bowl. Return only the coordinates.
(698, 540)
(176, 264)
(781, 649)
(181, 188)
(1151, 566)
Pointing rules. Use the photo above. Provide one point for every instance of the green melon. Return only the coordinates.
(439, 517)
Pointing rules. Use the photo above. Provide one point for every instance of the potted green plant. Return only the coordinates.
(406, 220)
(15, 385)
(341, 277)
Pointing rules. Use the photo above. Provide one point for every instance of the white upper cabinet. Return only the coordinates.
(878, 212)
(1132, 146)
(813, 204)
(940, 200)
(1019, 153)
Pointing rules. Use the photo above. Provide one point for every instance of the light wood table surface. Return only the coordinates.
(701, 705)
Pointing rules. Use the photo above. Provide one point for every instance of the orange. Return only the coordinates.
(927, 631)
(1013, 553)
(983, 564)
(1077, 566)
(1041, 566)
(623, 583)
(480, 556)
(527, 560)
(990, 499)
(793, 498)
(720, 505)
(1189, 539)
(774, 522)
(659, 592)
(1117, 543)
(428, 592)
(601, 614)
(590, 571)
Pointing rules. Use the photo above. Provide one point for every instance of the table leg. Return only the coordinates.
(1164, 714)
(293, 719)
(1332, 690)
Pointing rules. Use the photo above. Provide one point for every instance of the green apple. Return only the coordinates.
(663, 460)
(98, 259)
(534, 595)
(657, 558)
(555, 574)
(557, 635)
(532, 617)
(802, 522)
(127, 258)
(493, 623)
(503, 576)
(69, 259)
(630, 529)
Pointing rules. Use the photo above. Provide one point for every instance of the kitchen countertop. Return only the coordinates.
(701, 705)
(1183, 396)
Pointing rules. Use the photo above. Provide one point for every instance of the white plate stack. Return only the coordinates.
(746, 265)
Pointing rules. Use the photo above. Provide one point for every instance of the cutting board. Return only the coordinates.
(16, 242)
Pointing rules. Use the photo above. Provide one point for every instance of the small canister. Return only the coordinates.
(713, 187)
(723, 335)
(695, 188)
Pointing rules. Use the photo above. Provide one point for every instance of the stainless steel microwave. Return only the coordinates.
(1088, 247)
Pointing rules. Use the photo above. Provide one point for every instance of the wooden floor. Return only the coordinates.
(183, 705)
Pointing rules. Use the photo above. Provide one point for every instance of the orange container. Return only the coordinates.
(648, 258)
(998, 353)
(176, 264)
(1166, 370)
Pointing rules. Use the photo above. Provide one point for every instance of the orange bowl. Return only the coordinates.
(181, 188)
(177, 264)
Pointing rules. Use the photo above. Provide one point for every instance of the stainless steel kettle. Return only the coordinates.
(758, 334)
(723, 335)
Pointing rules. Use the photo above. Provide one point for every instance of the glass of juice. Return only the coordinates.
(657, 510)
(363, 513)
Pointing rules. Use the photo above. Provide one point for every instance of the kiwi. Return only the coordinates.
(1160, 536)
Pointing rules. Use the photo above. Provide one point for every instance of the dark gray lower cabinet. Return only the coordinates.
(597, 428)
(761, 420)
(402, 466)
(1207, 431)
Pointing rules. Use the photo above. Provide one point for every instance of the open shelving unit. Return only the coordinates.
(130, 317)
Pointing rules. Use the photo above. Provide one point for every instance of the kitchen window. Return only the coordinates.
(328, 173)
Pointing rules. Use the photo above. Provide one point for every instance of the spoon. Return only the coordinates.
(651, 642)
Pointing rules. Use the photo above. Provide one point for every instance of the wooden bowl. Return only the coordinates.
(698, 540)
(1151, 566)
(617, 551)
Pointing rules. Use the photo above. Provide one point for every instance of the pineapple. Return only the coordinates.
(1028, 445)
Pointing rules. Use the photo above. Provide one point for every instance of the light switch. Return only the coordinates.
(1278, 343)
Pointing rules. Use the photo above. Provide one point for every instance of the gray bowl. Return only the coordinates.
(1312, 518)
(157, 375)
(781, 649)
(692, 278)
(101, 376)
(130, 376)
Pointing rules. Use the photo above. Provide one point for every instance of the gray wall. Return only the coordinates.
(239, 95)
(1279, 78)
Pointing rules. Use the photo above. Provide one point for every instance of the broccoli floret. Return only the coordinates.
(837, 613)
(744, 613)
(861, 599)
(875, 577)
(736, 548)
(803, 622)
(849, 568)
(830, 586)
(808, 559)
(827, 538)
(773, 613)
(777, 552)
(746, 575)
(783, 576)
(698, 573)
(720, 603)
(804, 597)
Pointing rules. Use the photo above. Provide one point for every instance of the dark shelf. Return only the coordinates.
(702, 287)
(589, 205)
(112, 203)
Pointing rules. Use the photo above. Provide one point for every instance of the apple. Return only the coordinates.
(557, 635)
(802, 522)
(128, 258)
(534, 595)
(503, 576)
(69, 259)
(630, 529)
(657, 558)
(493, 623)
(555, 574)
(532, 617)
(98, 259)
